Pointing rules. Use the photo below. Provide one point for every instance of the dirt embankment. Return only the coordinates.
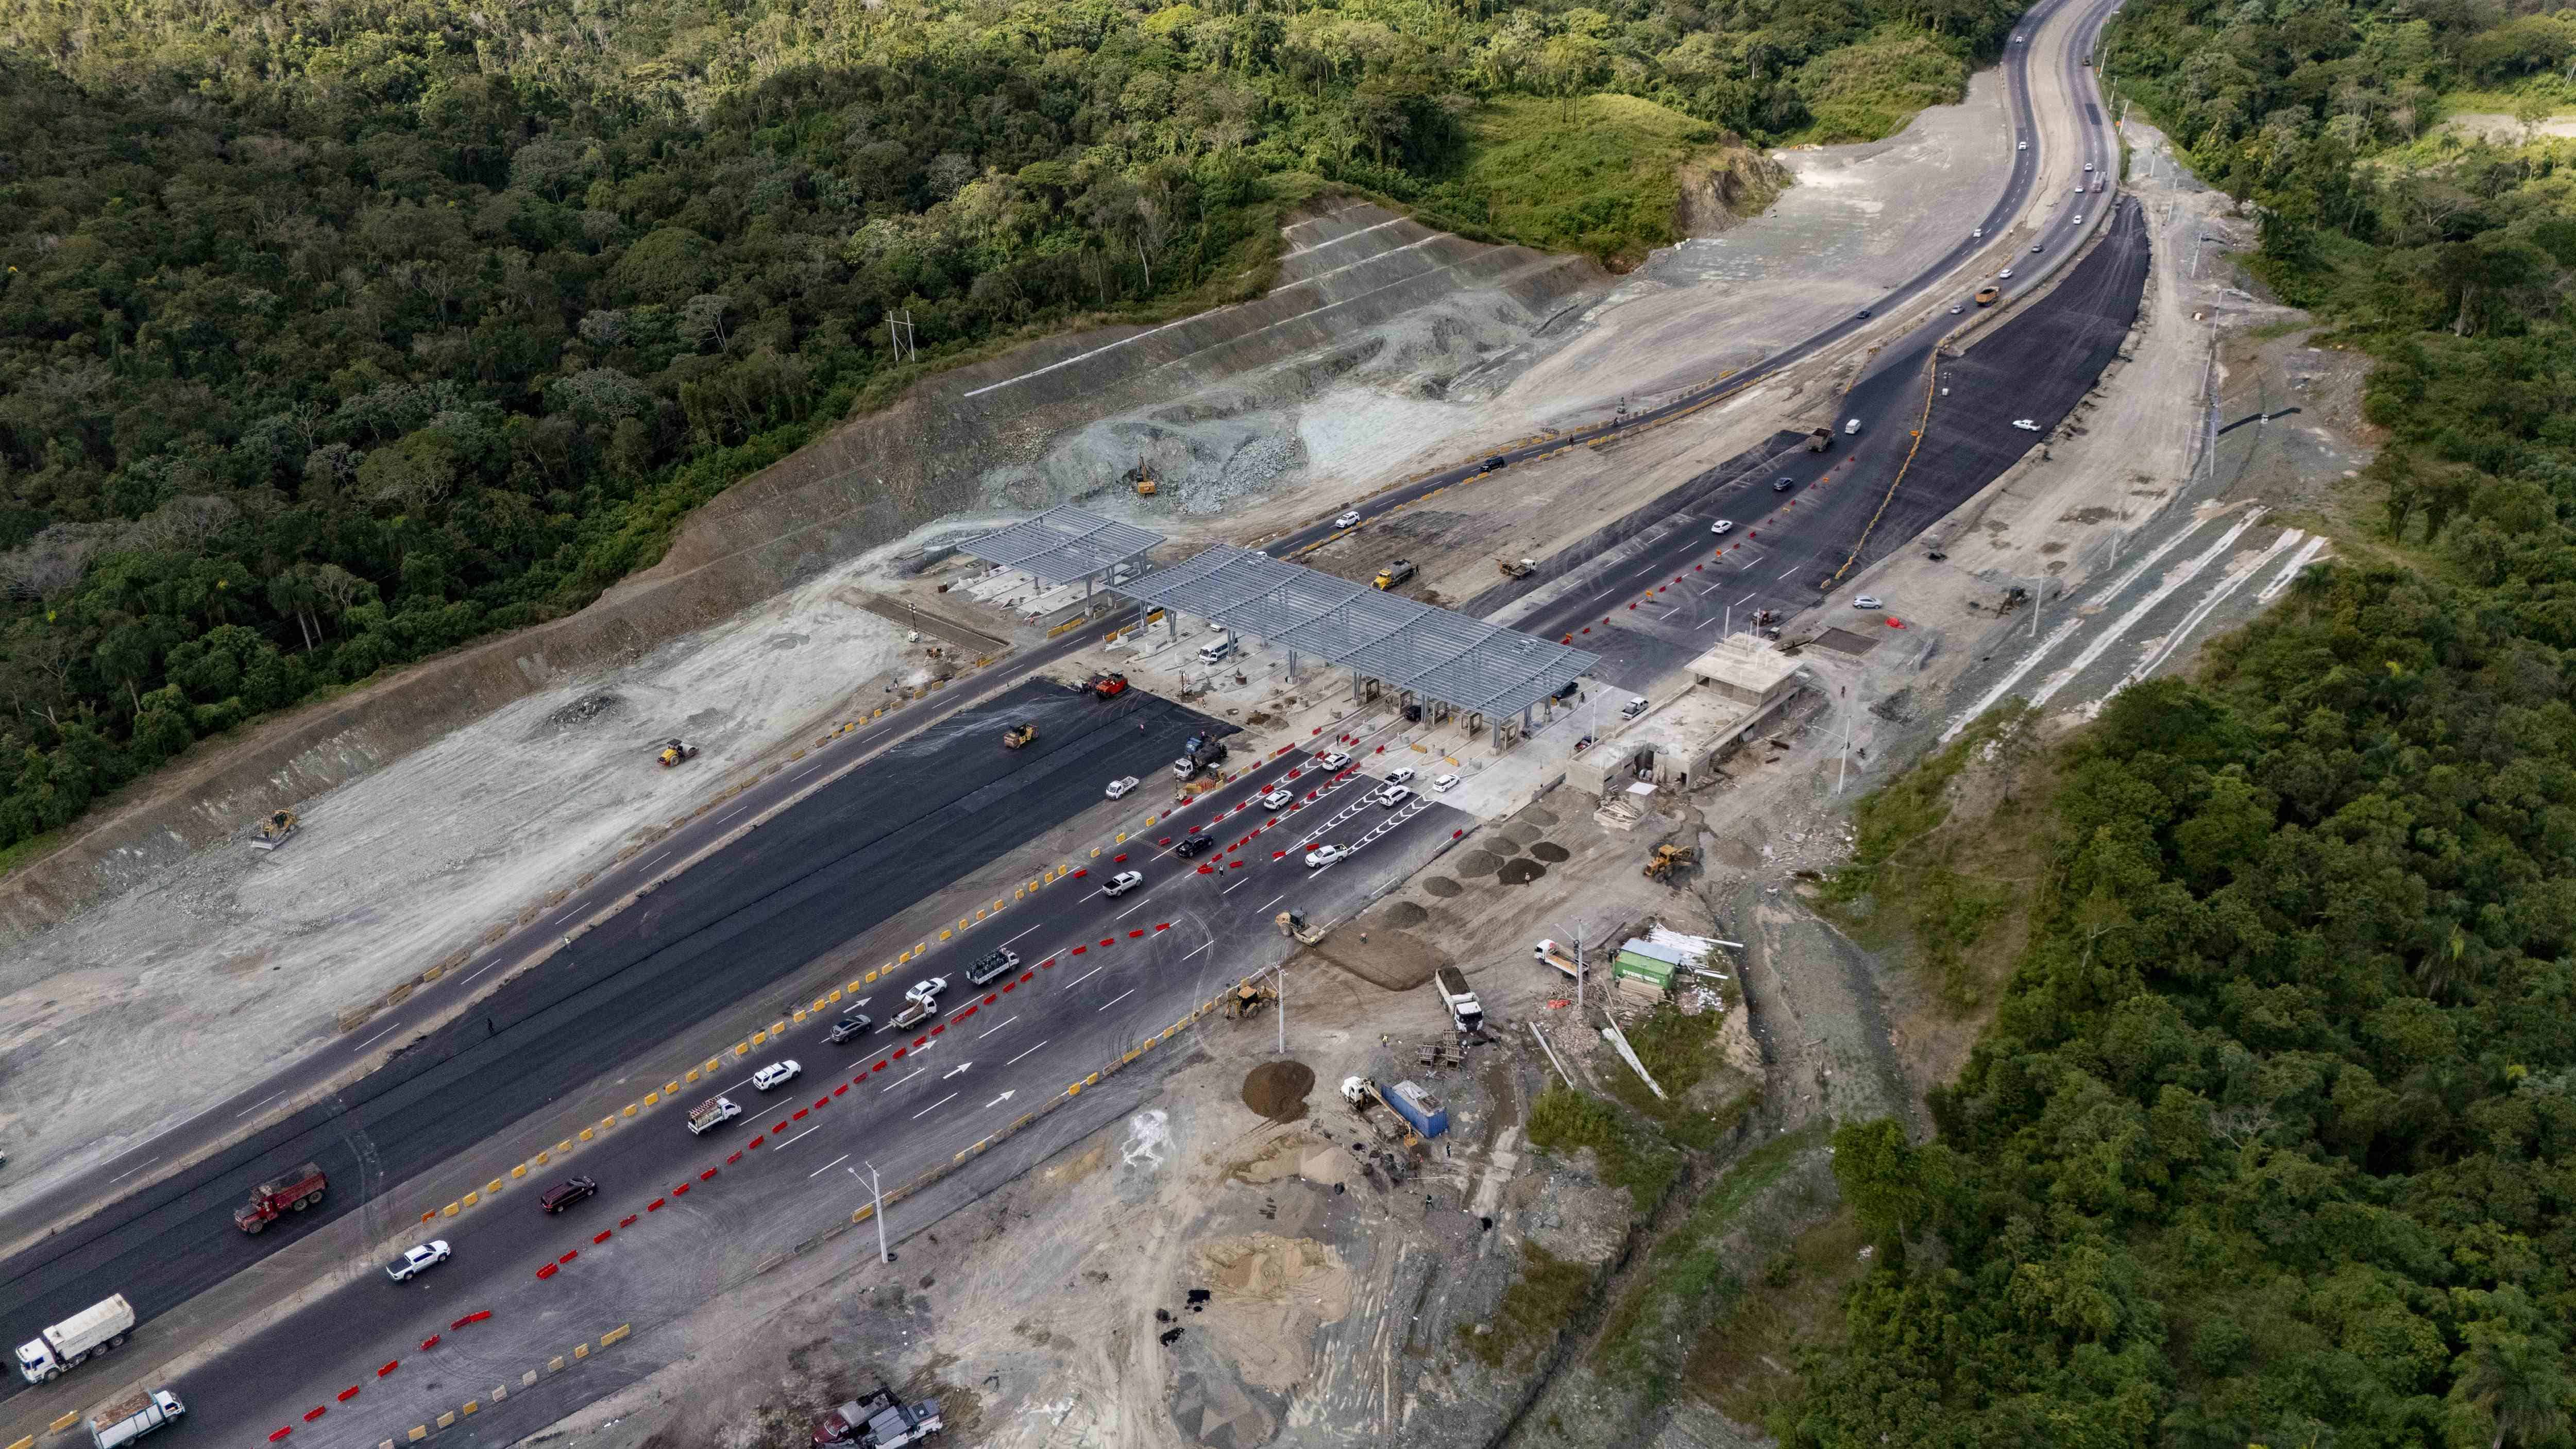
(1209, 401)
(1725, 187)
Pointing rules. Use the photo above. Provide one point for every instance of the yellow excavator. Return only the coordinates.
(274, 830)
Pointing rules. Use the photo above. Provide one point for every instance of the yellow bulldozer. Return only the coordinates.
(1669, 860)
(1248, 999)
(274, 830)
(1019, 736)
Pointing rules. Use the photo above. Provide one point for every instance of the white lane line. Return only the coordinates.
(648, 865)
(1748, 597)
(1793, 568)
(1210, 946)
(1121, 996)
(1131, 910)
(935, 1106)
(1274, 900)
(1006, 1022)
(1085, 976)
(1023, 933)
(486, 966)
(1034, 1048)
(1238, 885)
(906, 1077)
(826, 1167)
(799, 1137)
(379, 1036)
(262, 1102)
(138, 1167)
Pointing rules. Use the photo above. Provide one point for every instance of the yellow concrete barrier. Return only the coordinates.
(835, 994)
(418, 1433)
(587, 1134)
(607, 1122)
(540, 1159)
(471, 1406)
(820, 1003)
(778, 1029)
(1091, 1081)
(652, 1097)
(28, 1443)
(670, 1089)
(920, 946)
(581, 1350)
(1074, 1091)
(797, 1015)
(448, 1211)
(614, 1334)
(470, 1199)
(447, 1420)
(997, 905)
(630, 1111)
(554, 1365)
(491, 1187)
(865, 1212)
(758, 1037)
(692, 1076)
(1122, 837)
(565, 1146)
(944, 935)
(742, 1049)
(66, 1421)
(519, 1171)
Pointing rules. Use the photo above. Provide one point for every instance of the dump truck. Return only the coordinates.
(713, 1112)
(1019, 736)
(1198, 755)
(1988, 295)
(879, 1421)
(675, 751)
(273, 831)
(1819, 439)
(1464, 1009)
(293, 1192)
(1517, 568)
(132, 1417)
(1107, 686)
(60, 1348)
(1668, 860)
(1394, 573)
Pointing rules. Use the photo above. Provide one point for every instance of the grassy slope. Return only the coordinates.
(1597, 176)
(1866, 91)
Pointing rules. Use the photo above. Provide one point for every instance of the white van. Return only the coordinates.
(1851, 427)
(1223, 648)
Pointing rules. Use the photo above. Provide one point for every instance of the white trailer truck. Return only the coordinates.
(95, 1329)
(132, 1417)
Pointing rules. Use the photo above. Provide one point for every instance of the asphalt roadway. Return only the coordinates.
(900, 828)
(1099, 975)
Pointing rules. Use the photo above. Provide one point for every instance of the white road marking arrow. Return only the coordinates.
(1006, 1096)
(961, 1066)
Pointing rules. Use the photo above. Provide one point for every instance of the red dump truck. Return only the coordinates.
(292, 1193)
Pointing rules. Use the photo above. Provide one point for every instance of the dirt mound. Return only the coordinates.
(1382, 956)
(1503, 845)
(584, 710)
(1551, 852)
(1522, 872)
(1537, 816)
(1520, 834)
(1277, 1090)
(1479, 862)
(1404, 913)
(1441, 886)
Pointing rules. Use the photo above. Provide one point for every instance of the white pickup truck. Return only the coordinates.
(713, 1112)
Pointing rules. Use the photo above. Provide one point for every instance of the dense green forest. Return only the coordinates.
(335, 335)
(2273, 1140)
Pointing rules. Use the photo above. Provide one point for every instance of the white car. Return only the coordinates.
(2088, 165)
(1394, 795)
(1723, 525)
(1348, 520)
(1118, 788)
(1333, 760)
(1445, 784)
(2005, 274)
(1955, 311)
(1402, 775)
(2079, 219)
(776, 1074)
(1123, 882)
(1633, 708)
(1977, 231)
(1323, 855)
(1278, 799)
(2025, 145)
(1865, 601)
(2026, 425)
(925, 992)
(414, 1260)
(2034, 247)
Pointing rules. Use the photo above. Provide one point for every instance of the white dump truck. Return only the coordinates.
(132, 1417)
(1464, 1009)
(713, 1112)
(94, 1330)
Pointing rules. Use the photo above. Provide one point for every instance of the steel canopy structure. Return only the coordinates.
(1067, 545)
(1417, 649)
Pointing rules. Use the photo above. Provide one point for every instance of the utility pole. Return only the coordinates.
(883, 1256)
(1579, 970)
(2038, 604)
(899, 332)
(1845, 763)
(1283, 1007)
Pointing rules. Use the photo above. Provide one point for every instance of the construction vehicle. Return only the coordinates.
(1988, 295)
(62, 1346)
(1019, 736)
(879, 1421)
(132, 1417)
(274, 831)
(1248, 999)
(1819, 439)
(1294, 927)
(293, 1192)
(713, 1112)
(1668, 861)
(1420, 1114)
(1395, 573)
(1517, 568)
(675, 751)
(1107, 686)
(1199, 754)
(1464, 1009)
(914, 1014)
(1548, 953)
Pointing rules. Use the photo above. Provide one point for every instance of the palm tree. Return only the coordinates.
(2518, 1383)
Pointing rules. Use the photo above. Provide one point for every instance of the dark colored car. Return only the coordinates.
(1195, 845)
(564, 1194)
(1863, 314)
(1492, 463)
(1784, 485)
(857, 1023)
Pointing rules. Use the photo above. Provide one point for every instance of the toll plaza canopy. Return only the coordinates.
(1432, 653)
(1066, 545)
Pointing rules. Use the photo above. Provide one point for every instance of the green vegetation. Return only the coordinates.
(1865, 91)
(1645, 1340)
(1632, 1155)
(1742, 1364)
(1536, 1308)
(335, 336)
(1681, 1051)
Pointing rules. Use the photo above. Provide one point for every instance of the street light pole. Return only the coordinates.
(883, 1256)
(1283, 1008)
